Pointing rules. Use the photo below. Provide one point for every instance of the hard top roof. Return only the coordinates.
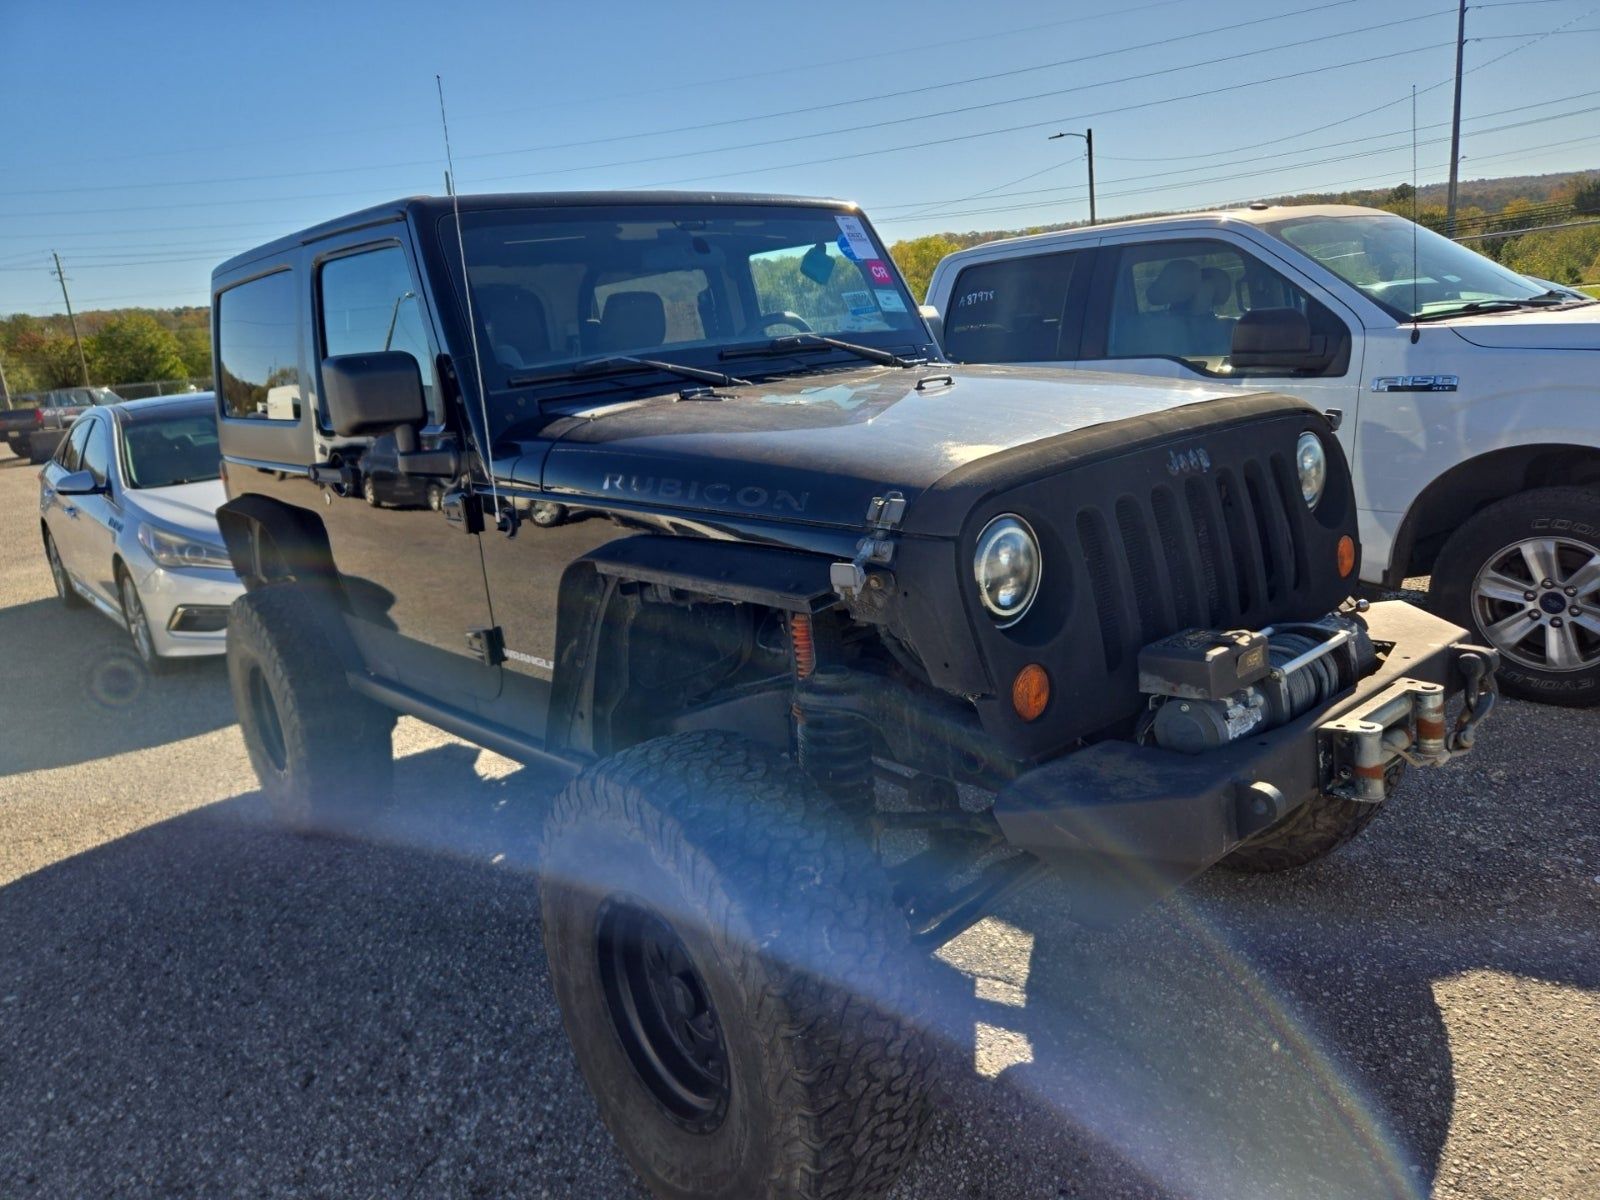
(424, 208)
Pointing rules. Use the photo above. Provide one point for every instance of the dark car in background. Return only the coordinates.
(35, 425)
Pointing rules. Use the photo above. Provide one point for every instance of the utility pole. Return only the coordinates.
(1088, 143)
(5, 392)
(1455, 125)
(83, 363)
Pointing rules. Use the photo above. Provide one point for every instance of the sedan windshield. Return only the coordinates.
(1441, 278)
(166, 451)
(554, 288)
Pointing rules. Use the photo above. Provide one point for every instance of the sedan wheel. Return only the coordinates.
(138, 624)
(58, 573)
(369, 490)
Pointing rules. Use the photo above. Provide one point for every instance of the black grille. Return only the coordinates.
(1222, 549)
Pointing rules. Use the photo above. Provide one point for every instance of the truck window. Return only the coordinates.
(97, 450)
(1013, 310)
(368, 303)
(1182, 300)
(258, 349)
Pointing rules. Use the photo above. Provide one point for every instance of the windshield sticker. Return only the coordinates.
(854, 240)
(1416, 383)
(890, 301)
(860, 304)
(878, 271)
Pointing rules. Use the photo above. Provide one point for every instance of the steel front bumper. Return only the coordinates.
(1135, 821)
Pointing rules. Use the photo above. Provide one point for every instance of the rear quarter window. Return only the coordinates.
(258, 349)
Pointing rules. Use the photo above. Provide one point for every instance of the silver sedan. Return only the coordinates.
(127, 510)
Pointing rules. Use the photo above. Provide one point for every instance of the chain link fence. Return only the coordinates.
(162, 387)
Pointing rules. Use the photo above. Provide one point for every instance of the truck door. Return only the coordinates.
(1170, 307)
(1019, 308)
(414, 575)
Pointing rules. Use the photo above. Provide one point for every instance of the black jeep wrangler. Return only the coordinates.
(838, 644)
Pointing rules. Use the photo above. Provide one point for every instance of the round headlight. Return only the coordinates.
(1311, 462)
(1006, 567)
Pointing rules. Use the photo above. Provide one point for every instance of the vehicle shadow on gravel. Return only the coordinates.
(214, 1006)
(75, 691)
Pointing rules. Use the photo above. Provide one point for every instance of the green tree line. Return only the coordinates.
(119, 346)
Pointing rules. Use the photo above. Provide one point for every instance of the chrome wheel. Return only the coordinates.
(1538, 603)
(138, 626)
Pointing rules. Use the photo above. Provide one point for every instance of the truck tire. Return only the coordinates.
(1524, 576)
(38, 451)
(733, 974)
(323, 753)
(18, 444)
(1314, 830)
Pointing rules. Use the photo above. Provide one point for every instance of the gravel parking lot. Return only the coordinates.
(195, 1004)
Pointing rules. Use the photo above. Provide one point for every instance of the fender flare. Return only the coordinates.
(269, 541)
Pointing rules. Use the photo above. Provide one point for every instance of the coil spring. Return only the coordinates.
(833, 745)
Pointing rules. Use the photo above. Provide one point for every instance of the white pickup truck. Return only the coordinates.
(1470, 395)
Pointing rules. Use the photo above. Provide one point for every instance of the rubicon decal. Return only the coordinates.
(668, 488)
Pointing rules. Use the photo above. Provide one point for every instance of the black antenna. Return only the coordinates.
(503, 520)
(1416, 330)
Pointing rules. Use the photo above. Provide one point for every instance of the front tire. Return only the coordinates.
(1313, 831)
(58, 574)
(1524, 576)
(369, 491)
(731, 970)
(138, 623)
(323, 753)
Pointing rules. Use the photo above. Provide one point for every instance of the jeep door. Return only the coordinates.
(414, 576)
(1168, 305)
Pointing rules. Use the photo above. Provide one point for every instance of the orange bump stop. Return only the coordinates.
(1030, 691)
(1347, 556)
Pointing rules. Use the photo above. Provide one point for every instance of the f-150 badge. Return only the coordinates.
(1416, 383)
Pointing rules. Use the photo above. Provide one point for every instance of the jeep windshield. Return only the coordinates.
(1440, 278)
(557, 289)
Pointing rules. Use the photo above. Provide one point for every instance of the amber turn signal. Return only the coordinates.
(1030, 691)
(1347, 556)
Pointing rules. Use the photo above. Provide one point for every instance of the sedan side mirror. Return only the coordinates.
(1277, 339)
(79, 483)
(369, 394)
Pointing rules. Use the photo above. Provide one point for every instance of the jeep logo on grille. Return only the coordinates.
(1188, 462)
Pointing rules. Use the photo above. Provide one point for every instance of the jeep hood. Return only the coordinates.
(817, 448)
(1530, 329)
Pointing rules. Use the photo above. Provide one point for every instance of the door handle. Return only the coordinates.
(70, 511)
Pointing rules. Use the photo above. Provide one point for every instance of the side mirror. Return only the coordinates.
(1276, 338)
(935, 323)
(369, 394)
(79, 483)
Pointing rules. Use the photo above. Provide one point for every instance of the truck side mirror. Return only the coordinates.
(1276, 338)
(369, 394)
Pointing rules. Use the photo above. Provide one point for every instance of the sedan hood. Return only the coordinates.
(1530, 329)
(189, 507)
(817, 448)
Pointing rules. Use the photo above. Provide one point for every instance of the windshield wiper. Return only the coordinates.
(1543, 300)
(791, 342)
(623, 364)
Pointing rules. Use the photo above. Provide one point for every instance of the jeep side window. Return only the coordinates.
(1014, 310)
(369, 303)
(1183, 300)
(258, 349)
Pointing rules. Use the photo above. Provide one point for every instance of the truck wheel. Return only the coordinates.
(37, 451)
(58, 574)
(547, 515)
(733, 974)
(1317, 828)
(1524, 575)
(369, 491)
(322, 752)
(19, 446)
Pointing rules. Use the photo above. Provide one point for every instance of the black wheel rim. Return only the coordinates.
(662, 1013)
(269, 728)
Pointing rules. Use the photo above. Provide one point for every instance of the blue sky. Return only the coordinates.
(148, 142)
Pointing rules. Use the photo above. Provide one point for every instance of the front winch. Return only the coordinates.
(1208, 688)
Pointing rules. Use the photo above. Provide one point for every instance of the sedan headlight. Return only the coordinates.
(1311, 462)
(1006, 567)
(175, 550)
